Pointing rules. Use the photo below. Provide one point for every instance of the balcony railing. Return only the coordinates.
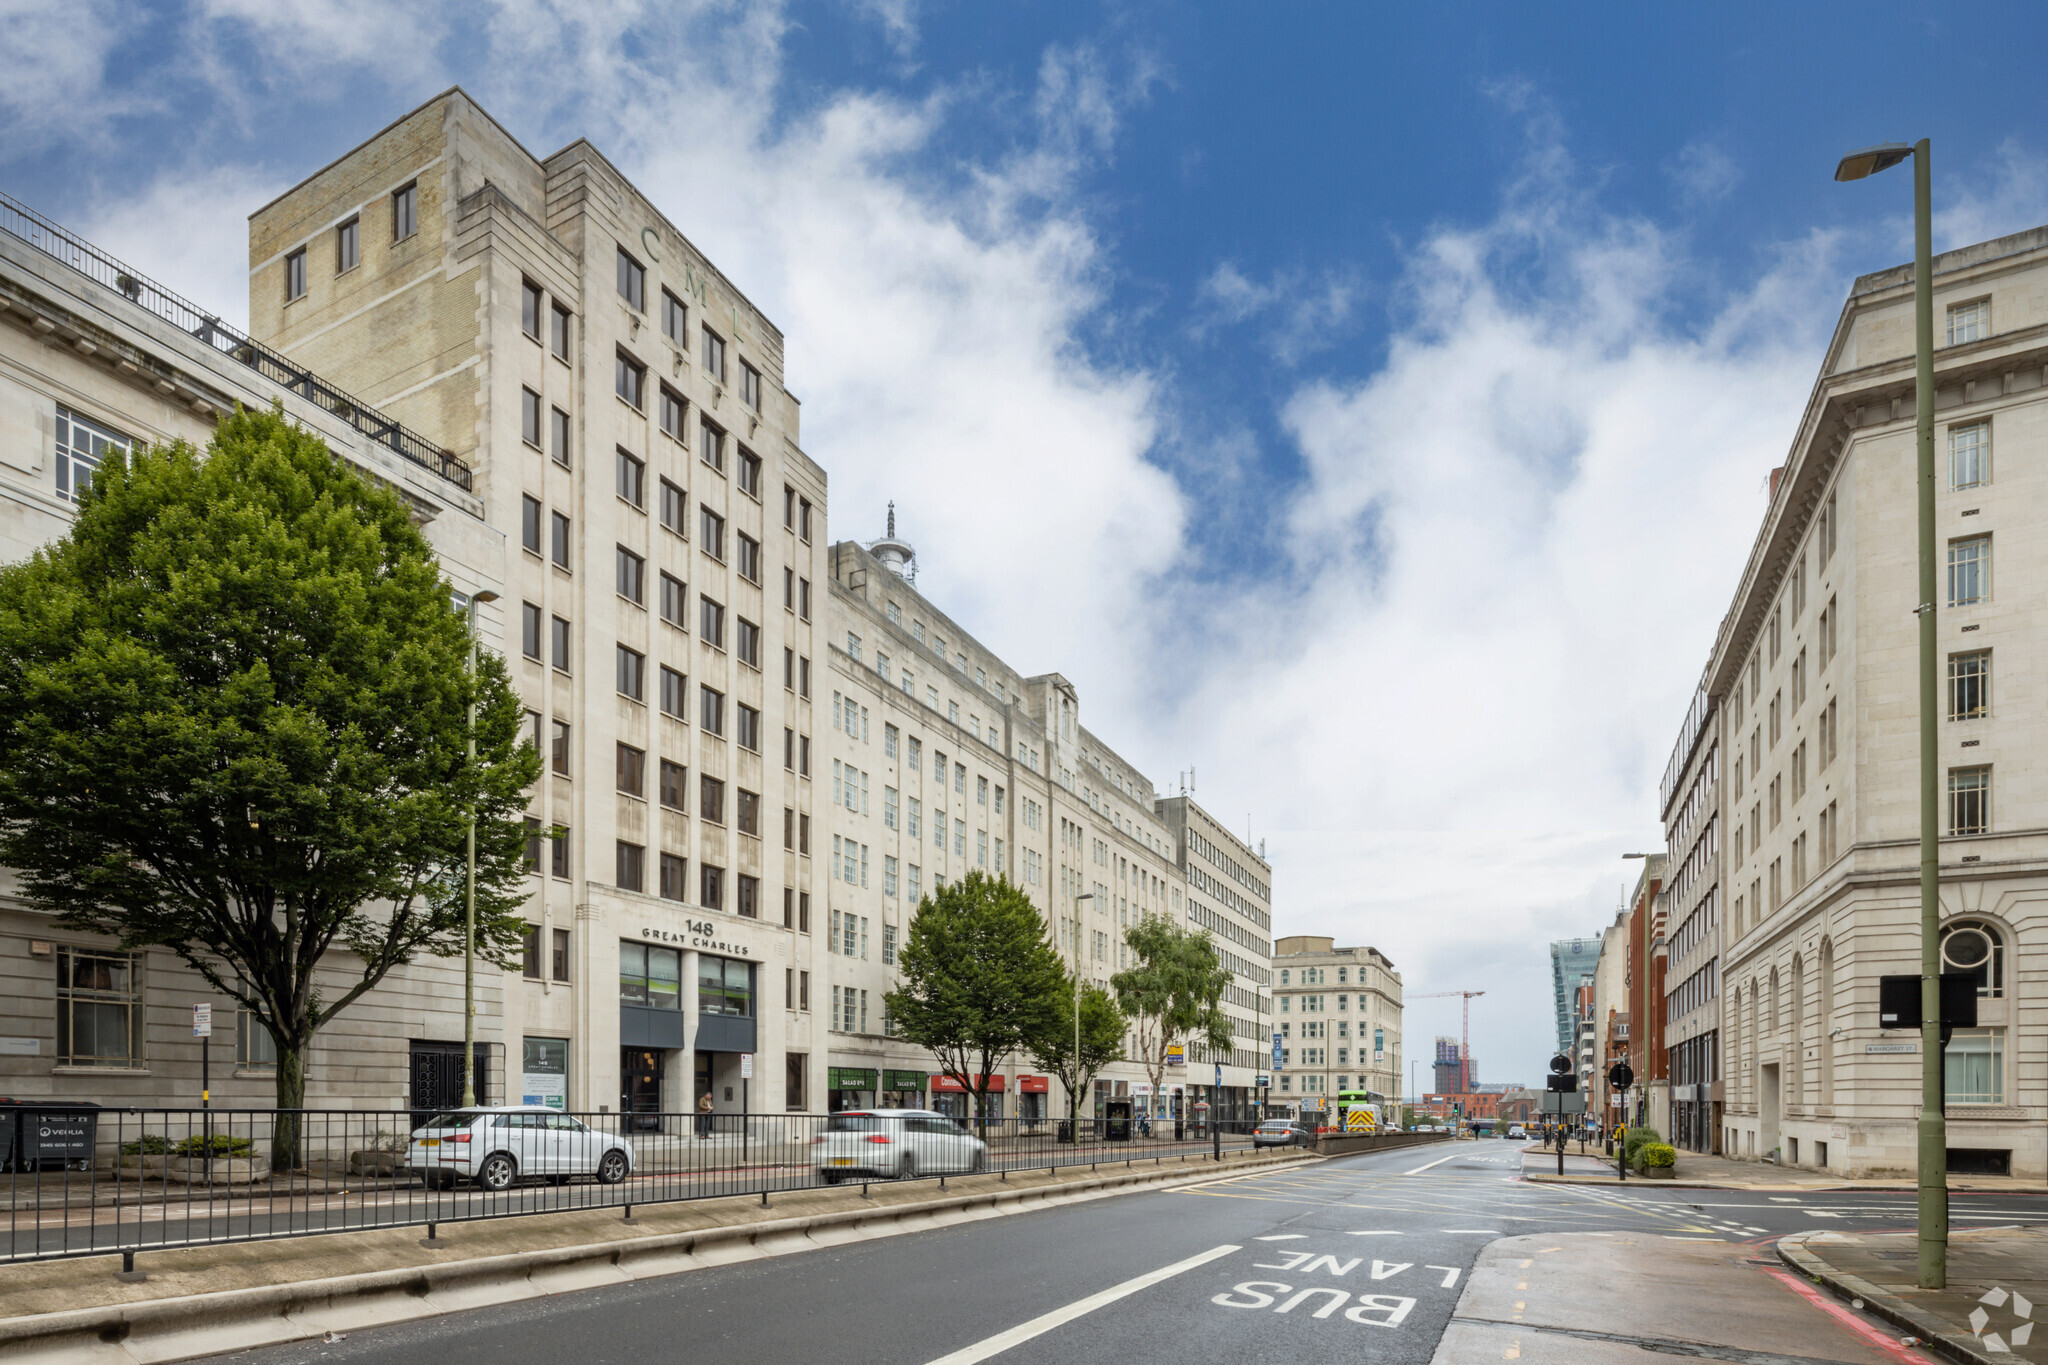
(82, 256)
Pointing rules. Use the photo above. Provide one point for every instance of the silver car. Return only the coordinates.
(499, 1145)
(894, 1144)
(1282, 1133)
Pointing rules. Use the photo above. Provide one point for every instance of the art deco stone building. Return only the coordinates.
(945, 760)
(1811, 698)
(1339, 1020)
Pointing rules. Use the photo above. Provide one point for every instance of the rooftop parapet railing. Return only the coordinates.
(82, 256)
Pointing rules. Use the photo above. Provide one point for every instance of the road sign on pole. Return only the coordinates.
(1276, 1049)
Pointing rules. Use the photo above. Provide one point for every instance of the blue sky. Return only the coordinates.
(1368, 406)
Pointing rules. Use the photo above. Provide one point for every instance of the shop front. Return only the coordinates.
(1032, 1097)
(850, 1087)
(903, 1089)
(956, 1101)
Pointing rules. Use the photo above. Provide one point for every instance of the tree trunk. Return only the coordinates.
(286, 1134)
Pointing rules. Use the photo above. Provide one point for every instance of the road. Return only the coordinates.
(1361, 1257)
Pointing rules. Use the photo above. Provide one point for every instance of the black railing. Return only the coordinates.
(83, 1181)
(88, 260)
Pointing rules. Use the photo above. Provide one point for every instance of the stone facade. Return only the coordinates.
(1338, 1012)
(91, 353)
(946, 760)
(1814, 693)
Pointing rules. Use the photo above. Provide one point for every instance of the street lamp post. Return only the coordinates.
(1074, 1095)
(1933, 1126)
(469, 883)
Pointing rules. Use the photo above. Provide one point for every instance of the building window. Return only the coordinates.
(558, 539)
(750, 386)
(711, 443)
(558, 748)
(632, 282)
(632, 576)
(348, 250)
(673, 504)
(295, 275)
(632, 770)
(99, 1008)
(533, 826)
(675, 597)
(559, 863)
(1969, 685)
(1969, 455)
(255, 1049)
(630, 379)
(529, 523)
(1969, 800)
(559, 442)
(651, 976)
(672, 410)
(712, 526)
(711, 799)
(1973, 1066)
(631, 860)
(747, 727)
(711, 621)
(1969, 321)
(749, 558)
(558, 962)
(560, 630)
(530, 303)
(675, 691)
(747, 641)
(675, 877)
(747, 896)
(632, 674)
(725, 985)
(750, 473)
(81, 445)
(1969, 570)
(675, 317)
(558, 339)
(1976, 949)
(711, 711)
(405, 212)
(714, 355)
(711, 889)
(632, 480)
(530, 630)
(675, 784)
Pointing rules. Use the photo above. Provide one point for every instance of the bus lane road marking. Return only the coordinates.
(1307, 1287)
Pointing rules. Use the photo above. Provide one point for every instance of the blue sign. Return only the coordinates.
(1276, 1050)
(1219, 1075)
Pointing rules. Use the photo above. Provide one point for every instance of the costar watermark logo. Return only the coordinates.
(2022, 1311)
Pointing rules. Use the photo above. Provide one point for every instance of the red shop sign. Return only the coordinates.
(946, 1085)
(1034, 1085)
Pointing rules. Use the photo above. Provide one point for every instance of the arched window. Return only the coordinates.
(1974, 947)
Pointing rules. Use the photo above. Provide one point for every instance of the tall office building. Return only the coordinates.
(1572, 960)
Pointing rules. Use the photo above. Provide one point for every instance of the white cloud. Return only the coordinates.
(1300, 312)
(190, 233)
(56, 67)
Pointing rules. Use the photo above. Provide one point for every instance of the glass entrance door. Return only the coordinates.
(640, 1076)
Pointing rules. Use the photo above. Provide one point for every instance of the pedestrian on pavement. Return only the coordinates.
(704, 1115)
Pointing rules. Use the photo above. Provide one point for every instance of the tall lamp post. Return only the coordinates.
(469, 883)
(1933, 1126)
(1074, 1095)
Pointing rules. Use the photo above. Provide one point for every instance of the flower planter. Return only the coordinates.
(131, 1166)
(1659, 1172)
(225, 1170)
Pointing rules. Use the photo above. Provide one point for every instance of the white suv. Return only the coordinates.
(496, 1146)
(900, 1143)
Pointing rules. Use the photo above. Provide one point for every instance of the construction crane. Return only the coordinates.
(1465, 1035)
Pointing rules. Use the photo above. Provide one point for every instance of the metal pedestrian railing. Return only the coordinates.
(82, 256)
(82, 1181)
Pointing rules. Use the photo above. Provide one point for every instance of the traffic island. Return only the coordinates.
(206, 1300)
(1997, 1287)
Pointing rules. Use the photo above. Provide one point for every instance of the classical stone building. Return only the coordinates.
(95, 357)
(1338, 1013)
(1811, 695)
(944, 760)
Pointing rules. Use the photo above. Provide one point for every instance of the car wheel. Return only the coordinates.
(611, 1169)
(906, 1169)
(832, 1177)
(497, 1173)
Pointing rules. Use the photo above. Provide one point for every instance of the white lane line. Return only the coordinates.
(1283, 1237)
(1045, 1322)
(1491, 1232)
(1438, 1162)
(1377, 1232)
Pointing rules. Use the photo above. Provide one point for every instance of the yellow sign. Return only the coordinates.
(1176, 1054)
(1361, 1121)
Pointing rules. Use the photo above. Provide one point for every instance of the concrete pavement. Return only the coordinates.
(1698, 1171)
(1996, 1279)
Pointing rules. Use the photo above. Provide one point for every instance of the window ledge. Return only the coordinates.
(99, 1071)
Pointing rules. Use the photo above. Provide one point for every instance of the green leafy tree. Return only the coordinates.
(232, 724)
(1173, 992)
(979, 980)
(1103, 1026)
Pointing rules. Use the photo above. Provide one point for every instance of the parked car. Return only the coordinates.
(1518, 1131)
(1282, 1133)
(497, 1146)
(902, 1144)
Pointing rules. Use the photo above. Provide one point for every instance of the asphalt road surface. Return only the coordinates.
(1357, 1258)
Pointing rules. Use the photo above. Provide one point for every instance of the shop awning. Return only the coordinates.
(946, 1085)
(849, 1078)
(1034, 1085)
